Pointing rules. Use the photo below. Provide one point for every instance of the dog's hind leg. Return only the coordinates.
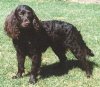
(81, 56)
(86, 67)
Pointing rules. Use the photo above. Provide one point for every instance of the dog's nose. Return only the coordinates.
(26, 21)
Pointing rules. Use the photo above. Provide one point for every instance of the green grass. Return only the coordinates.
(86, 17)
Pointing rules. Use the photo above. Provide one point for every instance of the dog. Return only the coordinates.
(31, 37)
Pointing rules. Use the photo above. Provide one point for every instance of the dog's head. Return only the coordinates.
(24, 15)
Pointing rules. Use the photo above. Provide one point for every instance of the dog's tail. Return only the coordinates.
(89, 52)
(81, 42)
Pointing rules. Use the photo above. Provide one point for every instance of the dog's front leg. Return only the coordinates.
(36, 62)
(20, 60)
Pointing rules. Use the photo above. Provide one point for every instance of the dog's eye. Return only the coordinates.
(22, 13)
(29, 13)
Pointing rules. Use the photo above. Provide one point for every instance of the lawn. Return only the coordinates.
(86, 17)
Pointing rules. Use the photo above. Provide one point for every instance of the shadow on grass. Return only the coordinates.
(57, 69)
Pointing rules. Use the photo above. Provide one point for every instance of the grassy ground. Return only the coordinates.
(86, 17)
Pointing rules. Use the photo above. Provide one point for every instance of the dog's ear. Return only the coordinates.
(11, 25)
(36, 22)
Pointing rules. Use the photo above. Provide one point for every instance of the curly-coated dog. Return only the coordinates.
(31, 37)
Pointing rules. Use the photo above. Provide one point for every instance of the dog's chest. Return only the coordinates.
(29, 42)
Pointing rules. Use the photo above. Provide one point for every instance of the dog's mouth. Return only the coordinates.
(25, 25)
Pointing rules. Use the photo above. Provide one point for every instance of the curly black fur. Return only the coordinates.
(66, 35)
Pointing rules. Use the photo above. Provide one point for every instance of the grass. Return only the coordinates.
(86, 17)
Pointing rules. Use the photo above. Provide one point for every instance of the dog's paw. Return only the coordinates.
(32, 79)
(18, 75)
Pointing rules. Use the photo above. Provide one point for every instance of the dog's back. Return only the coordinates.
(65, 33)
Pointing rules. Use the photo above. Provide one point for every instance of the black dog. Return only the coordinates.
(31, 37)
